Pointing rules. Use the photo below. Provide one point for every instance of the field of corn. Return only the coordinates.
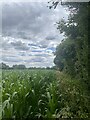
(42, 94)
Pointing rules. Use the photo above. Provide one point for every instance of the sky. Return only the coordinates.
(29, 33)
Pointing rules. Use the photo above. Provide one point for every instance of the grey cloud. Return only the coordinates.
(42, 55)
(20, 15)
(22, 54)
(4, 44)
(19, 45)
(30, 30)
(39, 54)
(50, 37)
(32, 44)
(23, 35)
(10, 59)
(32, 18)
(35, 59)
(41, 44)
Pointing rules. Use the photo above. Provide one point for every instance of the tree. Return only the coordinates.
(19, 66)
(66, 56)
(4, 66)
(72, 54)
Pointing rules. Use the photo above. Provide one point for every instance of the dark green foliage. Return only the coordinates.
(72, 53)
(65, 56)
(18, 67)
(28, 94)
(5, 66)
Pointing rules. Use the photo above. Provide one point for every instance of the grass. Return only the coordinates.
(43, 94)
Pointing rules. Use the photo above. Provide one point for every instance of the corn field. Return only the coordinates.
(42, 94)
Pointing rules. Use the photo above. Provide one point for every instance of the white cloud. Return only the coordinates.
(29, 33)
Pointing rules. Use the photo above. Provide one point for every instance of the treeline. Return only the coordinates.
(72, 53)
(4, 66)
(21, 66)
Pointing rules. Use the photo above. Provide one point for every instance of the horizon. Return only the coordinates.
(24, 65)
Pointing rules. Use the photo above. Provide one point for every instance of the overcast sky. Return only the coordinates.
(29, 34)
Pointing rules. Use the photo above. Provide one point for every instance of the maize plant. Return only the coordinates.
(41, 94)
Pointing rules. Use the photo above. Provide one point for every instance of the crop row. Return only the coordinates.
(35, 94)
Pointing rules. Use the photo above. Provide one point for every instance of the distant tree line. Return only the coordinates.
(4, 66)
(21, 66)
